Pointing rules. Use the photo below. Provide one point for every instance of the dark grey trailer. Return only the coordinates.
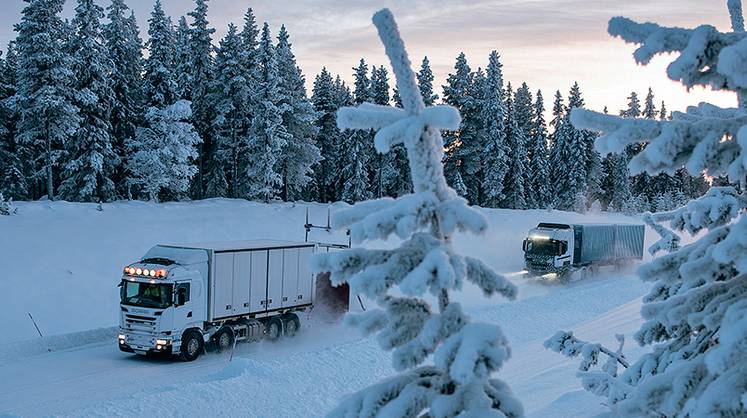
(607, 243)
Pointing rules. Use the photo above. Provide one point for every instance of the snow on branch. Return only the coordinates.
(394, 125)
(565, 343)
(465, 354)
(668, 241)
(717, 207)
(704, 139)
(699, 62)
(736, 15)
(695, 311)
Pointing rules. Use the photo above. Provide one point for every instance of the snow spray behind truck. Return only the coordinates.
(565, 249)
(179, 298)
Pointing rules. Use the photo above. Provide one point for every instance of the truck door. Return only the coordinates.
(184, 314)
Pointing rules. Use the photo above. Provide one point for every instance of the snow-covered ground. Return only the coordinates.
(61, 262)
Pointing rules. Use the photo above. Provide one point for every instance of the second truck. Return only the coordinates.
(567, 249)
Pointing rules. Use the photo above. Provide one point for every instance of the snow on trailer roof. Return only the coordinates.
(258, 244)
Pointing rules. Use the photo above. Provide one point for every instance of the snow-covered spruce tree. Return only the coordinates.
(472, 139)
(325, 103)
(249, 34)
(383, 167)
(459, 382)
(5, 113)
(617, 181)
(354, 162)
(556, 161)
(524, 121)
(201, 71)
(231, 96)
(249, 42)
(425, 83)
(496, 150)
(6, 206)
(125, 50)
(88, 172)
(12, 153)
(300, 153)
(459, 187)
(47, 116)
(524, 113)
(540, 190)
(396, 170)
(268, 135)
(649, 109)
(183, 60)
(639, 182)
(588, 183)
(696, 312)
(160, 87)
(569, 158)
(456, 94)
(515, 179)
(162, 154)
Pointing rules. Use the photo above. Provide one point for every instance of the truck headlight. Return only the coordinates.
(163, 342)
(121, 338)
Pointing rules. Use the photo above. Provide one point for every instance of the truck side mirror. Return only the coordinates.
(524, 245)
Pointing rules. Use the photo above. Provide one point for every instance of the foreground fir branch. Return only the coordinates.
(696, 312)
(465, 355)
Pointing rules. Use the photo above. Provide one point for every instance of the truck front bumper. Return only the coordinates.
(142, 344)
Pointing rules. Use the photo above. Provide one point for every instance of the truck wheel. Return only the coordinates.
(223, 339)
(291, 324)
(192, 346)
(274, 329)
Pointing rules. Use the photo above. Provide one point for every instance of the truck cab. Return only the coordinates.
(548, 248)
(161, 296)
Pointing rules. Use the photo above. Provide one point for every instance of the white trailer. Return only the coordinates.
(180, 298)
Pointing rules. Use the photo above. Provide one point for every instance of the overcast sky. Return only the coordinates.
(547, 43)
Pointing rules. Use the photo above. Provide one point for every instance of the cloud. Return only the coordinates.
(548, 43)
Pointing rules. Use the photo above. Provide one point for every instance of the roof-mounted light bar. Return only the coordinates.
(137, 271)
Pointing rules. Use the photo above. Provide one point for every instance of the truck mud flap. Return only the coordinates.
(332, 302)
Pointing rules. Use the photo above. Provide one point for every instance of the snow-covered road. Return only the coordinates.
(86, 375)
(306, 375)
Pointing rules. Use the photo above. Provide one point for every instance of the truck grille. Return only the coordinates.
(539, 263)
(140, 323)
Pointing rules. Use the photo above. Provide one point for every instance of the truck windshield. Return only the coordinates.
(147, 295)
(543, 246)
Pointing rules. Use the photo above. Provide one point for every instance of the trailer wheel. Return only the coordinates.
(291, 324)
(192, 346)
(223, 339)
(274, 329)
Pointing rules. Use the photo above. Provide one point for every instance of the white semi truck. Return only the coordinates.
(565, 249)
(178, 299)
